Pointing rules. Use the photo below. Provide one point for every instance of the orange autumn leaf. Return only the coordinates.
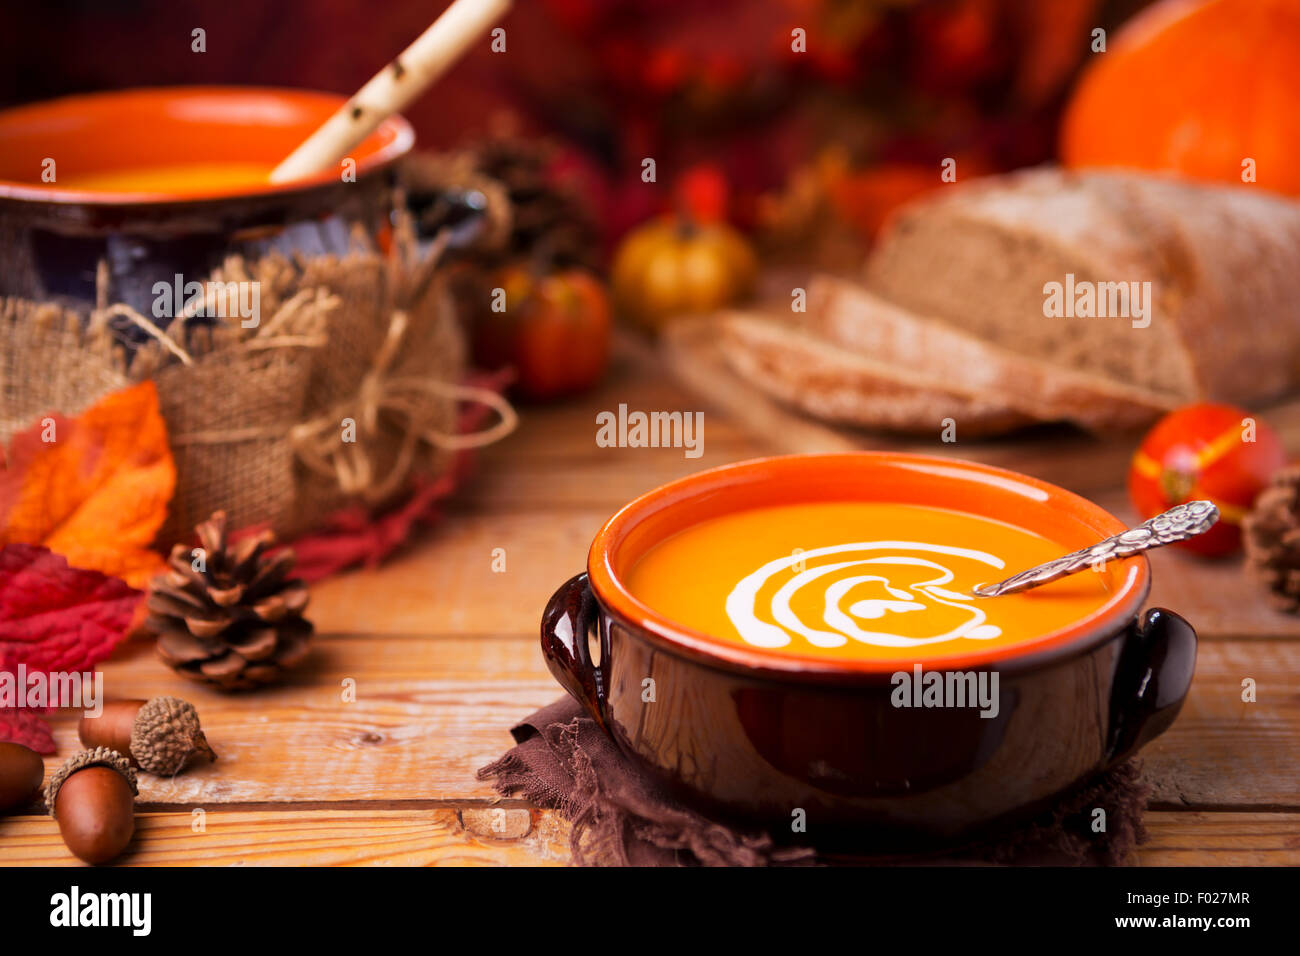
(94, 488)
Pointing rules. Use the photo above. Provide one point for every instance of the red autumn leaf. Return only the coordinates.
(53, 618)
(58, 618)
(27, 728)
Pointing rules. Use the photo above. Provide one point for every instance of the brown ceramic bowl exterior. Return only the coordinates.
(747, 734)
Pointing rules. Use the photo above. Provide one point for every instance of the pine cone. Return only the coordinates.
(1271, 533)
(547, 220)
(237, 623)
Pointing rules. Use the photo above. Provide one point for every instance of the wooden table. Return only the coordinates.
(443, 652)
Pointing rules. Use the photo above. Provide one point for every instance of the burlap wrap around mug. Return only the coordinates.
(347, 384)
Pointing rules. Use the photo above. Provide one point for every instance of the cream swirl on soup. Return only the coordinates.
(849, 579)
(840, 586)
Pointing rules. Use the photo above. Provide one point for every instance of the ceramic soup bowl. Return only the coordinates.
(797, 634)
(169, 181)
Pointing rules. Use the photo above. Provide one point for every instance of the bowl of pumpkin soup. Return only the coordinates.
(139, 186)
(799, 634)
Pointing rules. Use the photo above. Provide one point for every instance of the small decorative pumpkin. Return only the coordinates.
(554, 330)
(1205, 89)
(690, 262)
(1216, 452)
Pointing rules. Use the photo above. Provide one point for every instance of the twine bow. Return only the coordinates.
(321, 446)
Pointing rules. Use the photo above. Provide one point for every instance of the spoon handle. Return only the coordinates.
(393, 88)
(1177, 524)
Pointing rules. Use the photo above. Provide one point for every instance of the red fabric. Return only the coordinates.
(355, 537)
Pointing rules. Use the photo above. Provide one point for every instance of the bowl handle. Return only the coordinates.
(1154, 674)
(566, 625)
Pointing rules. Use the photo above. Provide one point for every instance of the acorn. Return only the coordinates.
(22, 771)
(160, 735)
(92, 796)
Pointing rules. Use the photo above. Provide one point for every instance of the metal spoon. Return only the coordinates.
(1177, 524)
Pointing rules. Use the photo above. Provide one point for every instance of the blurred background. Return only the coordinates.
(886, 89)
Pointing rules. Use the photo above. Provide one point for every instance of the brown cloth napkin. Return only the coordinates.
(623, 817)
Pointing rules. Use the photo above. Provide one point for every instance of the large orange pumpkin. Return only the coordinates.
(1195, 87)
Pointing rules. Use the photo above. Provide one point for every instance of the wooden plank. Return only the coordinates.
(439, 837)
(554, 462)
(1223, 752)
(1220, 839)
(561, 430)
(602, 484)
(445, 837)
(428, 712)
(447, 584)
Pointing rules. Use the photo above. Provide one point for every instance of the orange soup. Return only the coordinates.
(180, 178)
(861, 580)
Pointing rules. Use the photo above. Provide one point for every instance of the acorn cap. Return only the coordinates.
(99, 757)
(166, 734)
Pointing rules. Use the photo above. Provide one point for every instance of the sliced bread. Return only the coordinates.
(847, 314)
(1223, 263)
(840, 385)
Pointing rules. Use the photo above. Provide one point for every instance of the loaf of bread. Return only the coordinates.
(1221, 265)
